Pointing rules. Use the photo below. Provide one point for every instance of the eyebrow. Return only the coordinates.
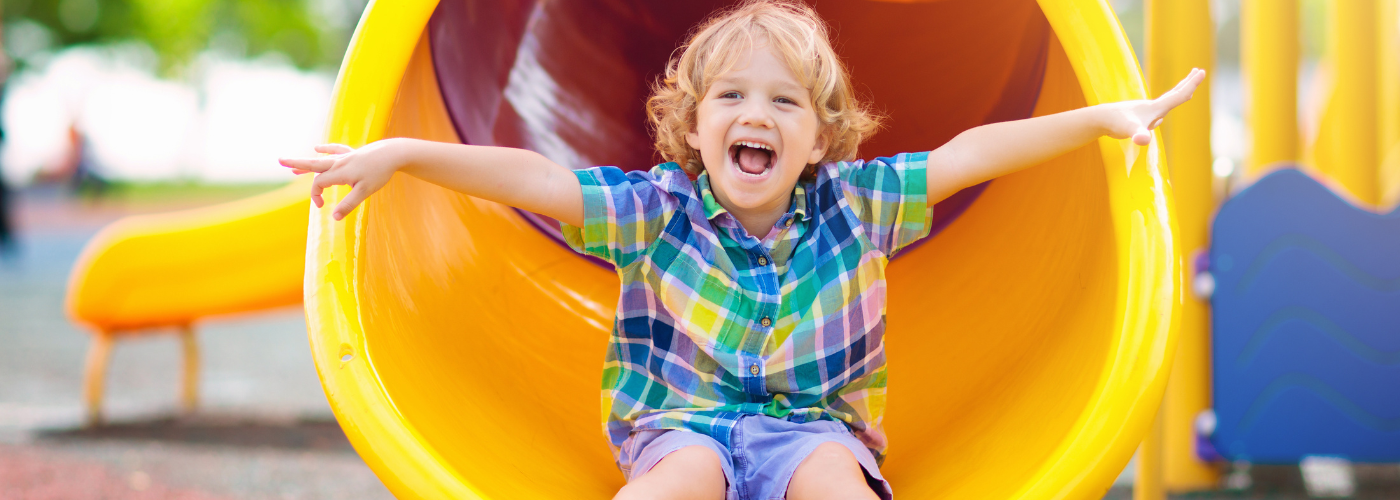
(782, 87)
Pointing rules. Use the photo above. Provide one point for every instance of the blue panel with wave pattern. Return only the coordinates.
(1305, 325)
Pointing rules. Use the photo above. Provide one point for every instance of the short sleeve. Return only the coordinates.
(622, 213)
(889, 198)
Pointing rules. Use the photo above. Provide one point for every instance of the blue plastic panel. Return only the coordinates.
(1306, 325)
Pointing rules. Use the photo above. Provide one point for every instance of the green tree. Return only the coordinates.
(178, 30)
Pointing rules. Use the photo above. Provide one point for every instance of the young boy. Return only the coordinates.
(747, 358)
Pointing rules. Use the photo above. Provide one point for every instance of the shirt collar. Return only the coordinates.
(797, 207)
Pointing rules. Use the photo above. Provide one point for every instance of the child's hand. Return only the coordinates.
(365, 170)
(1136, 119)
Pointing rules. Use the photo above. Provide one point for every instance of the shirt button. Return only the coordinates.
(787, 223)
(765, 322)
(753, 369)
(762, 261)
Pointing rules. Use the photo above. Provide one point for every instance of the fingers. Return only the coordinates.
(316, 195)
(321, 166)
(1182, 92)
(319, 185)
(352, 200)
(1188, 84)
(334, 149)
(304, 165)
(1157, 110)
(1142, 137)
(360, 189)
(1192, 78)
(308, 164)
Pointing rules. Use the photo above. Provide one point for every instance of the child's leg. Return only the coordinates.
(679, 464)
(692, 472)
(830, 472)
(775, 458)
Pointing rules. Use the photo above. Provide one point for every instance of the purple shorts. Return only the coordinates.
(764, 453)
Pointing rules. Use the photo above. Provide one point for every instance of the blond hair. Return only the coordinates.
(799, 37)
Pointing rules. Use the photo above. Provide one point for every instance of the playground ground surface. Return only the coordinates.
(264, 429)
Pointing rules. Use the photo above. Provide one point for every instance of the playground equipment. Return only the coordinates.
(1180, 37)
(1305, 277)
(161, 273)
(1356, 153)
(1305, 348)
(459, 344)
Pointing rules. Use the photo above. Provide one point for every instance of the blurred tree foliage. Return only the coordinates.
(312, 33)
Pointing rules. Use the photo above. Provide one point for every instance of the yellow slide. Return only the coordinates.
(171, 269)
(460, 345)
(1028, 341)
(148, 272)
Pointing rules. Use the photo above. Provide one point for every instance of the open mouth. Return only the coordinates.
(753, 158)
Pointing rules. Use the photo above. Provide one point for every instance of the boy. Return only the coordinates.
(747, 358)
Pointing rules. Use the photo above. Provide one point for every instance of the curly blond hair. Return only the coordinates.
(799, 37)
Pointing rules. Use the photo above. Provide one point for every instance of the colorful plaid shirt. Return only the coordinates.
(714, 323)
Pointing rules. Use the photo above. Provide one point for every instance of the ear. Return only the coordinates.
(693, 139)
(819, 148)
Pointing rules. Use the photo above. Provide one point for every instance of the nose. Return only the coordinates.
(754, 113)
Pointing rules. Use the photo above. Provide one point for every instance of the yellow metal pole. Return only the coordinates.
(1388, 52)
(95, 374)
(1147, 482)
(1181, 36)
(189, 380)
(1269, 40)
(1347, 144)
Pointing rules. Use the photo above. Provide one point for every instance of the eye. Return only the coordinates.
(784, 100)
(730, 94)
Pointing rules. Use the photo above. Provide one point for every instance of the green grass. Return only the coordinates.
(175, 192)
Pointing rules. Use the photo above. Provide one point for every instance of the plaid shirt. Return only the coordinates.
(714, 323)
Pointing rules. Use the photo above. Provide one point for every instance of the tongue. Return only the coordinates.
(753, 160)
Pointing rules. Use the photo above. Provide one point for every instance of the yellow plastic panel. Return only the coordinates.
(171, 269)
(461, 349)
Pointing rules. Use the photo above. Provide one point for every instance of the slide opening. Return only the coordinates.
(569, 79)
(488, 338)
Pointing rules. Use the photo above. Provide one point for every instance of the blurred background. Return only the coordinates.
(120, 107)
(141, 91)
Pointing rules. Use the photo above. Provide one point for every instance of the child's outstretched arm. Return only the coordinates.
(989, 151)
(516, 177)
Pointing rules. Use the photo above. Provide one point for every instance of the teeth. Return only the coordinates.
(755, 145)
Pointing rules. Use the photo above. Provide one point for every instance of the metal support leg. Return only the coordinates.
(96, 372)
(189, 386)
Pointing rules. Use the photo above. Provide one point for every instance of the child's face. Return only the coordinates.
(760, 102)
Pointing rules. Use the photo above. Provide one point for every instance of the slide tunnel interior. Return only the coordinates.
(487, 335)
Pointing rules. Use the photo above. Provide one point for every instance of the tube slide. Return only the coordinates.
(171, 269)
(149, 273)
(460, 345)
